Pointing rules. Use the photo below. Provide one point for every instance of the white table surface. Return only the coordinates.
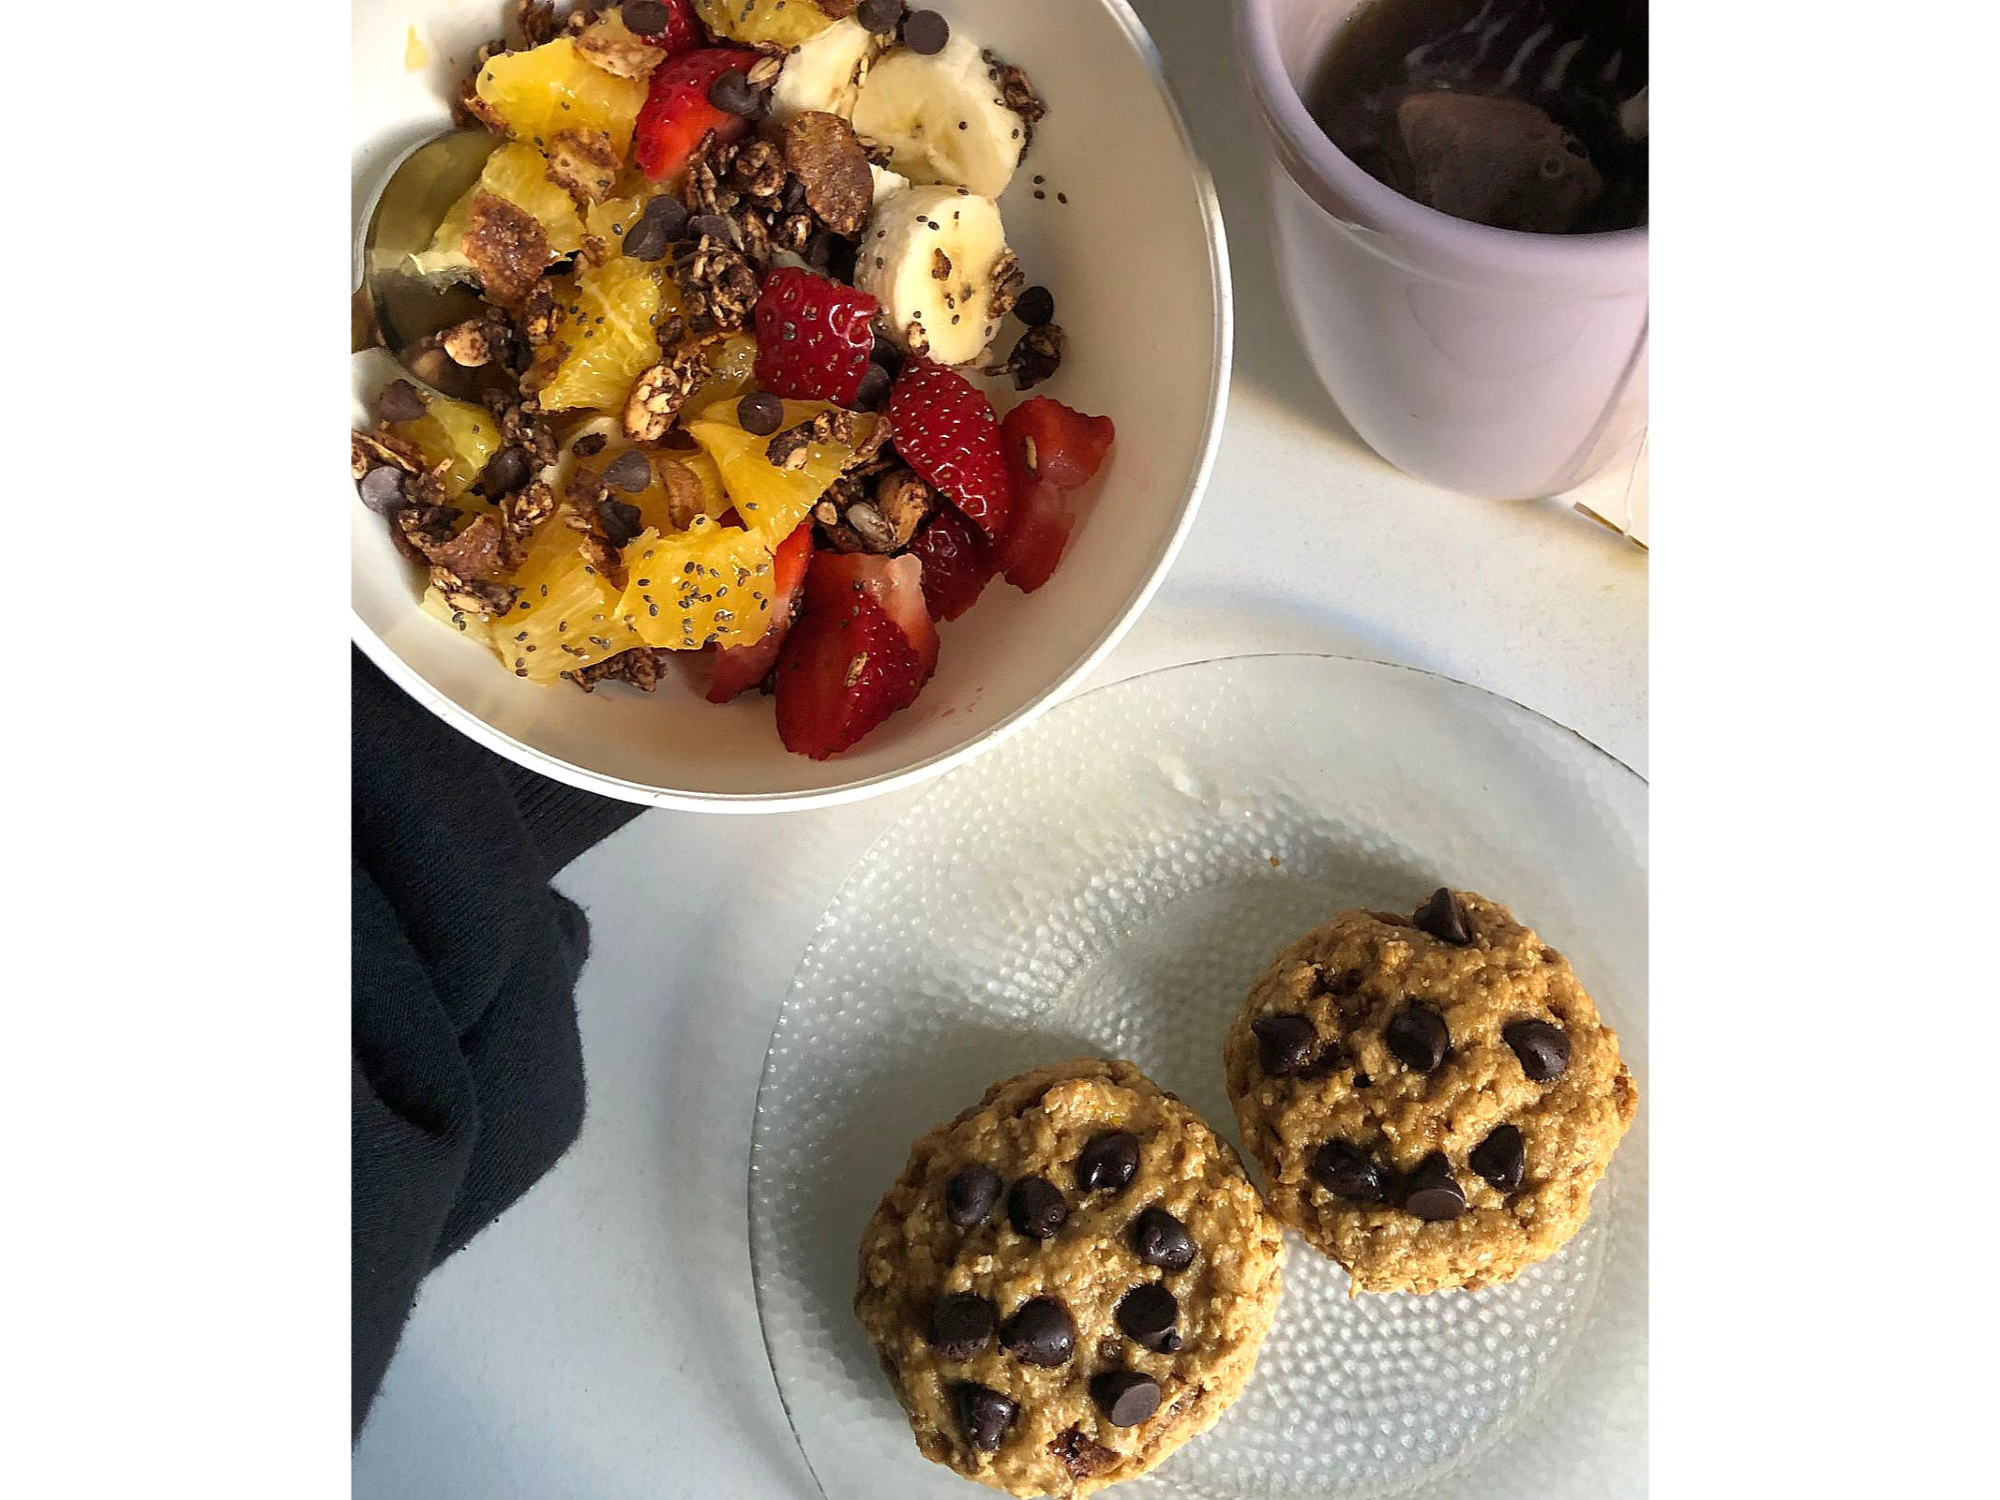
(601, 1339)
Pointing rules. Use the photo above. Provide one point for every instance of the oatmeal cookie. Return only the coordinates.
(1432, 1098)
(1068, 1281)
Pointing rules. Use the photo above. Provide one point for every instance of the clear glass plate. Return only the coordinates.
(1110, 883)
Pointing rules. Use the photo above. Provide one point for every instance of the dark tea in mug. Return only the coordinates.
(1521, 114)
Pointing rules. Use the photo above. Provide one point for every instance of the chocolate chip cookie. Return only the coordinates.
(1432, 1098)
(1068, 1281)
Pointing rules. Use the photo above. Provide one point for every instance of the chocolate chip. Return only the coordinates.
(925, 32)
(505, 472)
(645, 17)
(620, 519)
(731, 93)
(962, 1325)
(1284, 1043)
(1108, 1162)
(1347, 1171)
(1147, 1314)
(1125, 1397)
(1035, 306)
(663, 221)
(400, 402)
(1362, 1081)
(879, 16)
(1035, 1208)
(714, 226)
(1162, 1240)
(1418, 1037)
(873, 390)
(761, 413)
(1542, 1048)
(1431, 1193)
(382, 490)
(645, 241)
(667, 211)
(1325, 1062)
(1500, 1158)
(1444, 918)
(984, 1414)
(629, 472)
(970, 1195)
(1041, 1332)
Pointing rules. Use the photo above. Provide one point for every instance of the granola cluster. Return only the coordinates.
(758, 197)
(718, 284)
(657, 398)
(875, 510)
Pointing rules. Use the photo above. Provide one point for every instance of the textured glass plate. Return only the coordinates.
(1110, 883)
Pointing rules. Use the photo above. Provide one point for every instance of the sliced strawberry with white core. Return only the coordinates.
(840, 674)
(1051, 451)
(896, 586)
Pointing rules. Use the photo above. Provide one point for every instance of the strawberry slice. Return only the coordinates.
(1043, 520)
(945, 430)
(841, 673)
(958, 563)
(895, 584)
(741, 667)
(677, 114)
(1043, 439)
(814, 336)
(1052, 451)
(667, 24)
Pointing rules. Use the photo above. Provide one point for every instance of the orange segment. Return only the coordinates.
(731, 363)
(566, 617)
(709, 585)
(785, 22)
(610, 321)
(472, 627)
(455, 430)
(554, 87)
(772, 501)
(608, 221)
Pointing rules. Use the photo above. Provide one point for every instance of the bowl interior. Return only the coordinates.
(1135, 260)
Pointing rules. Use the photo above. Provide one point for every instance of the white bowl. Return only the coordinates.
(1140, 273)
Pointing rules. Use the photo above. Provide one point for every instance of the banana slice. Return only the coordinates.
(942, 117)
(824, 72)
(886, 182)
(932, 256)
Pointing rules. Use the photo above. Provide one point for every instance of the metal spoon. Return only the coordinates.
(394, 308)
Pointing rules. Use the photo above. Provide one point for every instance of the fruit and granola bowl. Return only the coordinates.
(841, 380)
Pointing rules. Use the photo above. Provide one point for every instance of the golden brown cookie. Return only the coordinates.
(1068, 1281)
(1431, 1098)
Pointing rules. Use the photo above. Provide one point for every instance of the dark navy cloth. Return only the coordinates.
(467, 1071)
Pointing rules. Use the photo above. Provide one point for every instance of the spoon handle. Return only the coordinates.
(366, 334)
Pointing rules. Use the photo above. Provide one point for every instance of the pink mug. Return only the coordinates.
(1487, 361)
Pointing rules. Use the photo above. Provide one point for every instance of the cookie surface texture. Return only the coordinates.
(1068, 1281)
